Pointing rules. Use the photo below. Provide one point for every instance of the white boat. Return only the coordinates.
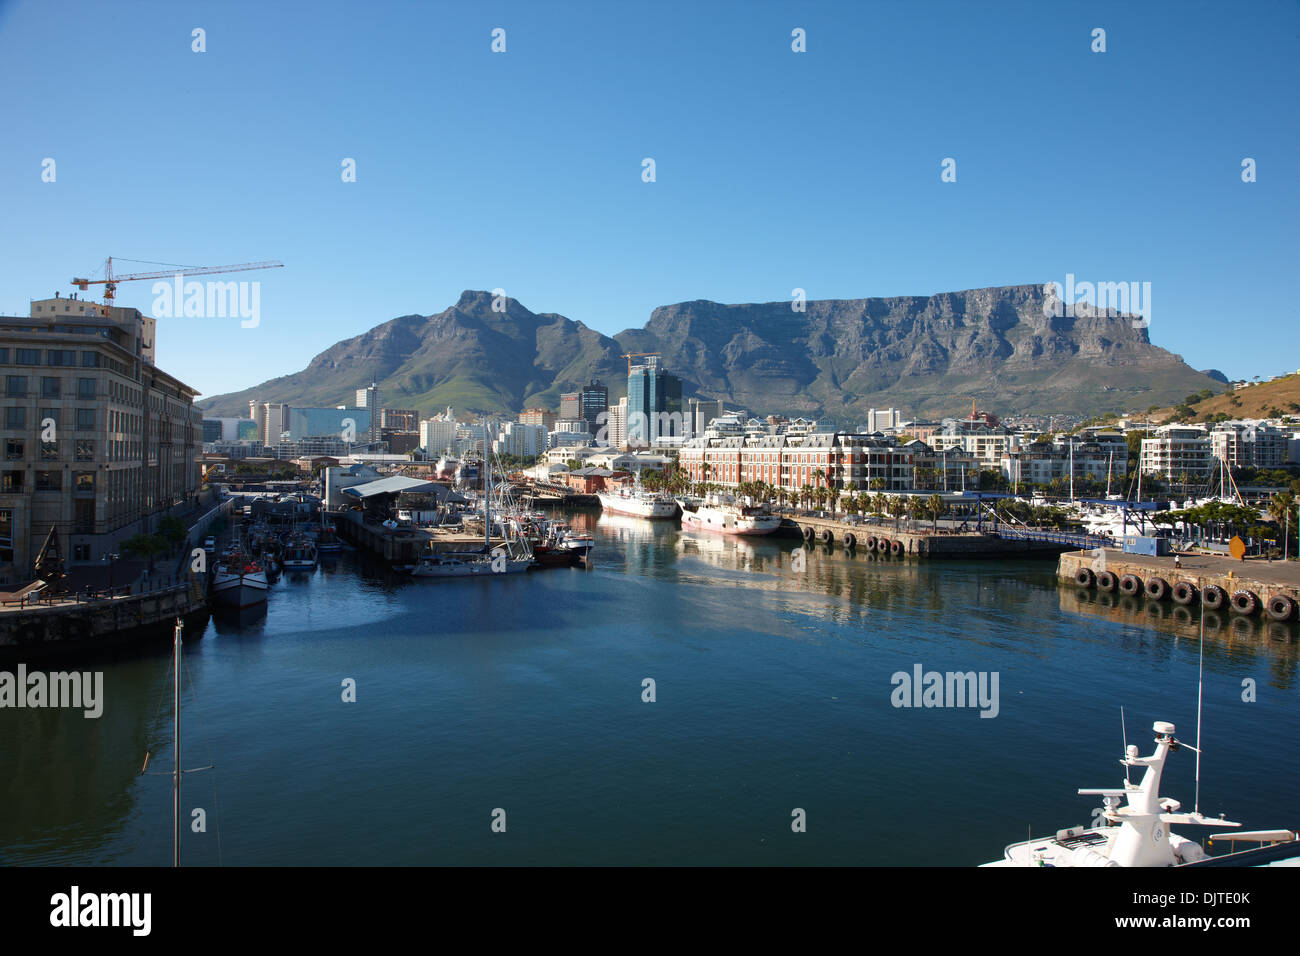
(725, 514)
(239, 581)
(638, 503)
(1137, 828)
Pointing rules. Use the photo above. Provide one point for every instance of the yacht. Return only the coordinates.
(725, 514)
(239, 581)
(638, 503)
(1137, 830)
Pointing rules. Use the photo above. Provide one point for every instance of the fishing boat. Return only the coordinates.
(327, 540)
(726, 514)
(510, 558)
(298, 553)
(239, 581)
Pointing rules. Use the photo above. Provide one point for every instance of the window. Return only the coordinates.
(85, 388)
(50, 387)
(6, 536)
(85, 419)
(49, 481)
(90, 360)
(15, 418)
(49, 415)
(80, 552)
(85, 449)
(16, 386)
(27, 356)
(13, 450)
(85, 481)
(4, 356)
(61, 357)
(11, 482)
(49, 451)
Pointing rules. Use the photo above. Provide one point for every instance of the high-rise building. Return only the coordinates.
(98, 442)
(654, 404)
(615, 428)
(570, 405)
(348, 425)
(369, 399)
(592, 400)
(438, 436)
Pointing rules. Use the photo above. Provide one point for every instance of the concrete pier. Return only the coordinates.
(924, 543)
(1265, 580)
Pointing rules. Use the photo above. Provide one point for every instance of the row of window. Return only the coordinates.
(16, 418)
(12, 482)
(15, 450)
(59, 357)
(51, 387)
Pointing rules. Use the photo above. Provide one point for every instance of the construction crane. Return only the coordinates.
(110, 281)
(631, 355)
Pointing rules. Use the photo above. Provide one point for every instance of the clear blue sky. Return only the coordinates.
(775, 170)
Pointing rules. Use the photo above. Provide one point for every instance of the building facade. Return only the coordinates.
(1177, 450)
(654, 404)
(99, 442)
(827, 459)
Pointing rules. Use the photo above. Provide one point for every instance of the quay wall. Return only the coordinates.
(925, 544)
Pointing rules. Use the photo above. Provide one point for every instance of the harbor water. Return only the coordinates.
(773, 692)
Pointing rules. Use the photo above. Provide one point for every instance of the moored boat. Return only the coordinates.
(239, 581)
(638, 503)
(725, 514)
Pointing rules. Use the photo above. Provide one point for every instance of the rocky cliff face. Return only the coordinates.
(929, 355)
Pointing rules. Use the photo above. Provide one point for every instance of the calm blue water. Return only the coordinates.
(773, 692)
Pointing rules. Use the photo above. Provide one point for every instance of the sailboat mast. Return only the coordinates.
(176, 775)
(487, 492)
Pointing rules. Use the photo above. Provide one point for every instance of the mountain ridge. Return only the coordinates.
(927, 355)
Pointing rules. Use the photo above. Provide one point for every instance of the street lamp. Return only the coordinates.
(110, 558)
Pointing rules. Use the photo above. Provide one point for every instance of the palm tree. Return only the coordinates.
(880, 503)
(877, 484)
(897, 508)
(937, 508)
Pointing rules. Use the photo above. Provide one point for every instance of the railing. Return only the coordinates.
(1075, 539)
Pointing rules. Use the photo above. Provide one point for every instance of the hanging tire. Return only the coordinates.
(825, 536)
(807, 532)
(870, 543)
(1245, 602)
(1213, 597)
(1084, 578)
(896, 547)
(1280, 607)
(1130, 584)
(1157, 589)
(850, 540)
(1106, 581)
(882, 545)
(1184, 593)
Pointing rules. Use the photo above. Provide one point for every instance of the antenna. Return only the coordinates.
(1123, 729)
(1200, 676)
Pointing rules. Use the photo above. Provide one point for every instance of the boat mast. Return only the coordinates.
(1109, 462)
(176, 773)
(487, 492)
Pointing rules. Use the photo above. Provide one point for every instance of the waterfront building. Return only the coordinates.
(1045, 461)
(654, 404)
(350, 425)
(980, 435)
(569, 433)
(1254, 444)
(924, 430)
(831, 459)
(563, 454)
(1176, 450)
(947, 470)
(99, 441)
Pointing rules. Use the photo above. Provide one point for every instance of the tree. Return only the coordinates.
(173, 530)
(937, 507)
(897, 508)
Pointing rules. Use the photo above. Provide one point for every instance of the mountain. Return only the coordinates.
(927, 355)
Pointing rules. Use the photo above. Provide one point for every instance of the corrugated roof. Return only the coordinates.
(389, 486)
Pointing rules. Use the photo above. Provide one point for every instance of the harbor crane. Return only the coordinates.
(110, 281)
(631, 355)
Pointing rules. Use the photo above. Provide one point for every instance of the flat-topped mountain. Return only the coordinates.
(927, 355)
